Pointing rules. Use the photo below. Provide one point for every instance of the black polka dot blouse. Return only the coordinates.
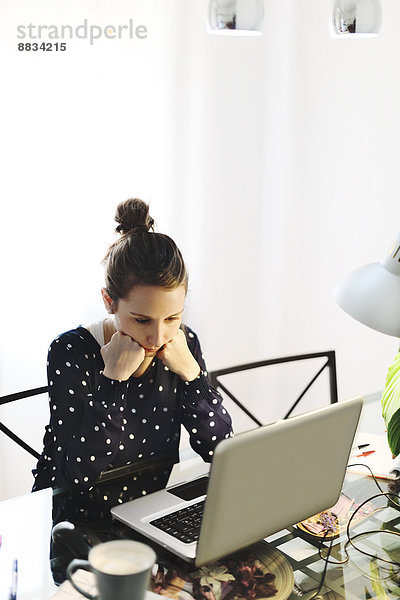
(97, 423)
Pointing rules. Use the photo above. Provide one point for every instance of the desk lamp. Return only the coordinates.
(371, 295)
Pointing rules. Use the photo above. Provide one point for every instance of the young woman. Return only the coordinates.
(120, 389)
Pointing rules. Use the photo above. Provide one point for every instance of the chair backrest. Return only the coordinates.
(23, 418)
(318, 362)
(6, 430)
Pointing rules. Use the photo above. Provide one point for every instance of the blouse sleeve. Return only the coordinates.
(203, 415)
(86, 411)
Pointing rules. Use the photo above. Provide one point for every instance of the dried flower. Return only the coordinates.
(213, 575)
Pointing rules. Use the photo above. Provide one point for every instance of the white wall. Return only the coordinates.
(273, 162)
(290, 145)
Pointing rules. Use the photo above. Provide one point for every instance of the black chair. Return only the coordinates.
(13, 398)
(216, 382)
(330, 364)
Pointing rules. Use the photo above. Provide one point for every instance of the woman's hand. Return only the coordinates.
(177, 357)
(122, 356)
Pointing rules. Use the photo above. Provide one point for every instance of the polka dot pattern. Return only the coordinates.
(97, 422)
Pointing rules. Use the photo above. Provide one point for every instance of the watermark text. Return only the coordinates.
(84, 31)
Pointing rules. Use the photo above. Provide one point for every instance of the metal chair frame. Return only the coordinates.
(215, 381)
(330, 363)
(13, 398)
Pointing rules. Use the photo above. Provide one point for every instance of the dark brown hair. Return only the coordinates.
(141, 256)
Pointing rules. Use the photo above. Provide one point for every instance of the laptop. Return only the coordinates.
(260, 482)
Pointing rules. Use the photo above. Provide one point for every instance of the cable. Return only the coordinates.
(370, 470)
(322, 581)
(351, 538)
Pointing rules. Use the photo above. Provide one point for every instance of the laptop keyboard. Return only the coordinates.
(183, 524)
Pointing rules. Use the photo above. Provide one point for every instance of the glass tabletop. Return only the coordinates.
(26, 525)
(356, 570)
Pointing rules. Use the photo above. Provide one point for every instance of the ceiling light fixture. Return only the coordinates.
(235, 17)
(350, 18)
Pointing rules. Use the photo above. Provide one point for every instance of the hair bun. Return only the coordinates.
(133, 214)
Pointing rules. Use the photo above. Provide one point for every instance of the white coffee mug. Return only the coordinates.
(121, 569)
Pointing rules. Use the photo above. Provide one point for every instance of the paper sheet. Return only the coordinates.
(380, 462)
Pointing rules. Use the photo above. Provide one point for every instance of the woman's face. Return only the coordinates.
(150, 315)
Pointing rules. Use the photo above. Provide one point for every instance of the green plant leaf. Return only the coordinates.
(377, 586)
(391, 405)
(393, 433)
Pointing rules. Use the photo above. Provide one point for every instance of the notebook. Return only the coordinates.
(260, 482)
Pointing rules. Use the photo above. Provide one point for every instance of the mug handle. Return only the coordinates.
(74, 566)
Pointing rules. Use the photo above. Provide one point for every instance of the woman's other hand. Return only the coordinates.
(177, 357)
(122, 357)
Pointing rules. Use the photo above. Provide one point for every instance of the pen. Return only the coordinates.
(13, 589)
(366, 453)
(361, 446)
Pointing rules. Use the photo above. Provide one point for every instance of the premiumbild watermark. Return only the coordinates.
(84, 31)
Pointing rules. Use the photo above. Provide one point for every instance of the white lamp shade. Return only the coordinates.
(371, 294)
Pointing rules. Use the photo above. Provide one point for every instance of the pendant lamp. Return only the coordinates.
(356, 18)
(235, 17)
